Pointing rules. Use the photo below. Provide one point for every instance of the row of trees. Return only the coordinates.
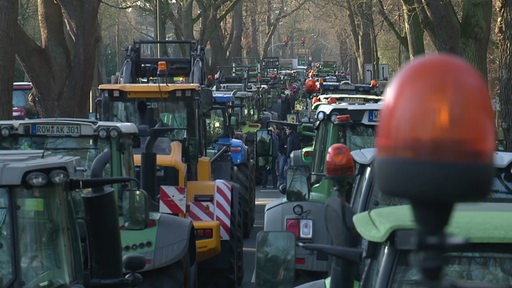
(66, 47)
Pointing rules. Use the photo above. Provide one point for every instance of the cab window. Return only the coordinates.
(480, 265)
(44, 229)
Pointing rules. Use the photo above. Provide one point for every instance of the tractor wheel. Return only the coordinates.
(236, 240)
(252, 189)
(178, 274)
(242, 178)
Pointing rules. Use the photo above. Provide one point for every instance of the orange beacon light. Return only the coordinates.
(436, 136)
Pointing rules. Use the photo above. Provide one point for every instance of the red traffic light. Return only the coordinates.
(339, 161)
(303, 41)
(285, 41)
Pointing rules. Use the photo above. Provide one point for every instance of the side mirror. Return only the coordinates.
(297, 186)
(135, 209)
(206, 100)
(233, 122)
(275, 259)
(263, 143)
(190, 150)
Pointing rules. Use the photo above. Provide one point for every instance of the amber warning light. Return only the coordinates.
(339, 161)
(162, 68)
(429, 132)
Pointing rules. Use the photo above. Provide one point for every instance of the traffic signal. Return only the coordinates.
(303, 41)
(286, 42)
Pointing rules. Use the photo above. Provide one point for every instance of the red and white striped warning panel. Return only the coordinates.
(173, 200)
(217, 209)
(223, 207)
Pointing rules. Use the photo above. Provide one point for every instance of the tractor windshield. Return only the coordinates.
(358, 136)
(44, 237)
(150, 113)
(215, 126)
(355, 136)
(86, 147)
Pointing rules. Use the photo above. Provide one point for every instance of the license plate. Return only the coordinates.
(55, 130)
(373, 116)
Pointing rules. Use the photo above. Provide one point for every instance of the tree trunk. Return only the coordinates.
(254, 30)
(238, 27)
(504, 40)
(415, 43)
(365, 54)
(62, 68)
(475, 32)
(467, 38)
(440, 21)
(8, 22)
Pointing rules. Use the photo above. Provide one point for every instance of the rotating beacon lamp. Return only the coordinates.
(435, 144)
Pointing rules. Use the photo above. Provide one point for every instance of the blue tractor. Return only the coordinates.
(222, 127)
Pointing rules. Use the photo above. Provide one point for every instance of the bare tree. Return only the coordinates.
(62, 66)
(467, 37)
(8, 17)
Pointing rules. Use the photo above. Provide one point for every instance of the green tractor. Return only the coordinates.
(106, 150)
(45, 241)
(308, 189)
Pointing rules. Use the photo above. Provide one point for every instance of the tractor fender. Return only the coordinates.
(173, 241)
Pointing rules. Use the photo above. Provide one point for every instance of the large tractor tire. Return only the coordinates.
(236, 240)
(243, 179)
(179, 274)
(252, 189)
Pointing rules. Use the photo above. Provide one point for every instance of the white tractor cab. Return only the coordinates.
(43, 240)
(433, 158)
(308, 189)
(105, 149)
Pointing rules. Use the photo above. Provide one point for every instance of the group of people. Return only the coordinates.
(284, 141)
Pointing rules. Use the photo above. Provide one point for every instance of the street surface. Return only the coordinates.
(263, 196)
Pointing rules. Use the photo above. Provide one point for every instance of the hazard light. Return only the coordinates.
(292, 225)
(339, 161)
(432, 148)
(202, 234)
(343, 119)
(162, 68)
(310, 86)
(236, 149)
(428, 127)
(308, 155)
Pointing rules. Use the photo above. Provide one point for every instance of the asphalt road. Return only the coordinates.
(263, 196)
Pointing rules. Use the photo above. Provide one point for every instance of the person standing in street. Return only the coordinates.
(292, 144)
(282, 159)
(270, 168)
